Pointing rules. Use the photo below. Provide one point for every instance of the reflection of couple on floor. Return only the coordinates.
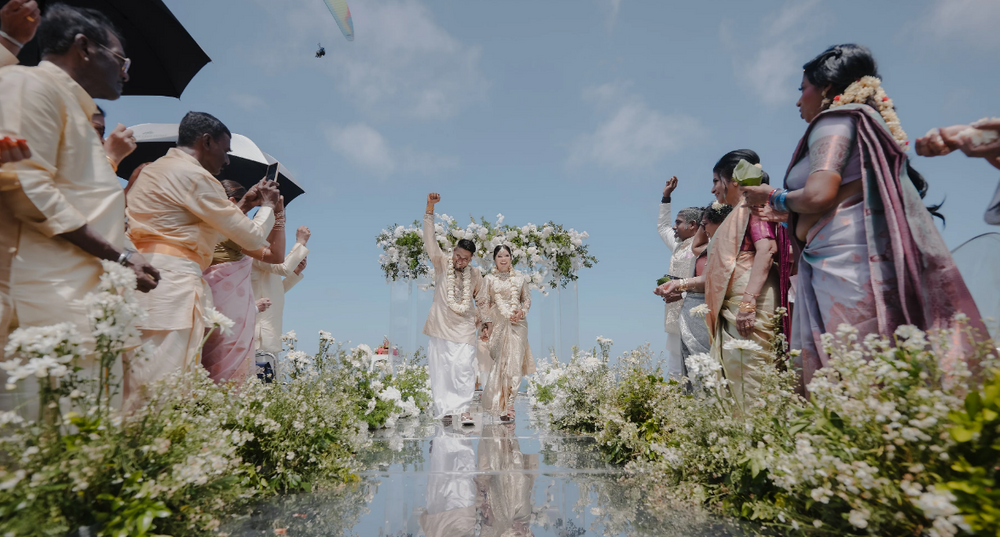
(498, 483)
(465, 302)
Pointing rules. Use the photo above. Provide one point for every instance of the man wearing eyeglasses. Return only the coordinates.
(69, 205)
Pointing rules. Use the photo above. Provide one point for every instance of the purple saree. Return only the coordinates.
(876, 261)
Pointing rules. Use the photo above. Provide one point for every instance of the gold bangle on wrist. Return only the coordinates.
(748, 307)
(683, 286)
(114, 167)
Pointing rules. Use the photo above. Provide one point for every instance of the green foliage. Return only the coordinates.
(888, 444)
(974, 476)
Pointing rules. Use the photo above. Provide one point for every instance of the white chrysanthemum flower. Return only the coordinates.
(214, 318)
(701, 310)
(742, 345)
(858, 519)
(326, 336)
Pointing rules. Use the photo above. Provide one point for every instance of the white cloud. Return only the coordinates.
(972, 22)
(366, 148)
(773, 66)
(633, 135)
(248, 102)
(613, 6)
(401, 61)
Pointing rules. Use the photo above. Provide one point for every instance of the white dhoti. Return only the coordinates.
(175, 327)
(451, 489)
(453, 376)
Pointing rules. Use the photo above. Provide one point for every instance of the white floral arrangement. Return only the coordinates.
(549, 256)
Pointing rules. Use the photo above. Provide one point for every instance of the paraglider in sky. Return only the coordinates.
(320, 52)
(343, 15)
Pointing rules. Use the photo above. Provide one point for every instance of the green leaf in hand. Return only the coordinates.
(747, 174)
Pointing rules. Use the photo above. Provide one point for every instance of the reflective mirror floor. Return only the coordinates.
(492, 479)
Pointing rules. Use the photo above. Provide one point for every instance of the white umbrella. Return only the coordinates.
(248, 164)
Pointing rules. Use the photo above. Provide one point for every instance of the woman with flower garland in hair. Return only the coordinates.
(507, 300)
(870, 253)
(745, 279)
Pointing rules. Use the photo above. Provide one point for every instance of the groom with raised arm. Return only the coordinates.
(451, 323)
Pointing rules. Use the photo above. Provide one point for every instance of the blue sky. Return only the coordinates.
(573, 110)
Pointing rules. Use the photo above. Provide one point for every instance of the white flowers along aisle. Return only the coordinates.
(889, 443)
(195, 452)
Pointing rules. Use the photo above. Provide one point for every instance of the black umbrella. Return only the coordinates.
(248, 164)
(164, 55)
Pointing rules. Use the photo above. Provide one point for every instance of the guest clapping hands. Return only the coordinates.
(980, 140)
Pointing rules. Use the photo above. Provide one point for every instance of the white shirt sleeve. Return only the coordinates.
(665, 226)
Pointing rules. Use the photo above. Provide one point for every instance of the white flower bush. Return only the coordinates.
(888, 443)
(550, 255)
(382, 392)
(192, 451)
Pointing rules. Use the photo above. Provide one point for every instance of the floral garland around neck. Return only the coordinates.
(870, 87)
(507, 292)
(466, 303)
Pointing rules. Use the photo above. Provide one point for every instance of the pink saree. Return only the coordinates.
(876, 261)
(230, 356)
(727, 274)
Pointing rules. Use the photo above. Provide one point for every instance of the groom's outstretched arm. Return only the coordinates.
(430, 241)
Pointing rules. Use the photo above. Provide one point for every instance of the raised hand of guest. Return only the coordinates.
(669, 188)
(432, 199)
(146, 275)
(251, 199)
(119, 144)
(263, 304)
(269, 194)
(302, 266)
(989, 150)
(302, 235)
(19, 19)
(933, 145)
(13, 150)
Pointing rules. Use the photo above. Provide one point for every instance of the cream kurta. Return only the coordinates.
(65, 184)
(177, 213)
(442, 321)
(273, 281)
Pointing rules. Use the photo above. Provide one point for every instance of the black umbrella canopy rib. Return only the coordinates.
(164, 55)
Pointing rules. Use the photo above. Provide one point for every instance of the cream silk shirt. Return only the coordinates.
(65, 184)
(178, 210)
(442, 321)
(272, 281)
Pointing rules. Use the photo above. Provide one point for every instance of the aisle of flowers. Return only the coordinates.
(195, 453)
(887, 444)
